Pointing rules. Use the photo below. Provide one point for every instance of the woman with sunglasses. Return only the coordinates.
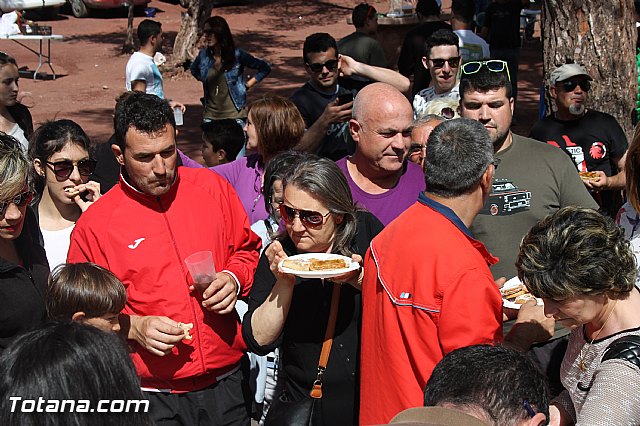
(274, 125)
(320, 217)
(23, 264)
(220, 67)
(15, 118)
(60, 154)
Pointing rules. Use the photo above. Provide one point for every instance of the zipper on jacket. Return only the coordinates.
(196, 325)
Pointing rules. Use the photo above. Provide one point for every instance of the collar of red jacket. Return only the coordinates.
(150, 200)
(453, 217)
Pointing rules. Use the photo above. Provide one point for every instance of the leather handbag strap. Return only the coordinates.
(316, 391)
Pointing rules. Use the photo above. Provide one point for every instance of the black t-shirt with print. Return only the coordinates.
(595, 142)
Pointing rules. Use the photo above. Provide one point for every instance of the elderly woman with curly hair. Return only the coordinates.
(580, 264)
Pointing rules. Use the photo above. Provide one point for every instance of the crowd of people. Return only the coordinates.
(414, 178)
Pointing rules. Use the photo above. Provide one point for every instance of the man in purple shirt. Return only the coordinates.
(380, 179)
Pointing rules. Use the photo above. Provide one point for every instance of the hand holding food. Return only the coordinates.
(92, 190)
(275, 254)
(156, 334)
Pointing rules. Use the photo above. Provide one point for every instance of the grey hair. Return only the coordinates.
(425, 119)
(576, 251)
(321, 178)
(458, 154)
(15, 167)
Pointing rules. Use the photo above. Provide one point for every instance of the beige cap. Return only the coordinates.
(566, 71)
(435, 416)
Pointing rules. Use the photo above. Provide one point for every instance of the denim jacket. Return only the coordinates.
(235, 80)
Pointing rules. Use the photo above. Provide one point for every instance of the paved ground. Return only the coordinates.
(91, 70)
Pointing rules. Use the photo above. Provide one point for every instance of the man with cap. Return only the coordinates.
(593, 139)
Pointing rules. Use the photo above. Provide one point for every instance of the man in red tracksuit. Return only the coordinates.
(427, 287)
(142, 230)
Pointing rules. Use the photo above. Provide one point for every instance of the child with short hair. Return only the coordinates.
(87, 293)
(222, 141)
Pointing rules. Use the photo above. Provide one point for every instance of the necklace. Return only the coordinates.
(585, 349)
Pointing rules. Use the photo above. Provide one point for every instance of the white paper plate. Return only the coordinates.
(326, 273)
(514, 282)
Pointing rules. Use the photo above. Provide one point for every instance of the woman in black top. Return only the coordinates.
(23, 264)
(292, 313)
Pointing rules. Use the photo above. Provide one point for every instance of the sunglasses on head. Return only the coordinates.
(570, 86)
(493, 65)
(308, 217)
(19, 200)
(453, 62)
(331, 65)
(447, 113)
(64, 168)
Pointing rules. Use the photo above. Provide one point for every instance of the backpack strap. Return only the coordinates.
(626, 348)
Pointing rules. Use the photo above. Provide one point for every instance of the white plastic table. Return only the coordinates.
(43, 58)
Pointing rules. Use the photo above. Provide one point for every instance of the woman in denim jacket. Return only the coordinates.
(219, 66)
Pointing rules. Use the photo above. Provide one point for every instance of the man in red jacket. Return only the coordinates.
(418, 308)
(142, 231)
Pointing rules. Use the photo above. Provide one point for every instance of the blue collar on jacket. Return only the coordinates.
(446, 212)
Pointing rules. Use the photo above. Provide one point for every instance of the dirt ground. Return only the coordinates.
(90, 69)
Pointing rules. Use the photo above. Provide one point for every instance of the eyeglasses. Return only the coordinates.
(570, 86)
(64, 168)
(331, 65)
(493, 65)
(496, 163)
(447, 113)
(307, 217)
(416, 151)
(453, 62)
(19, 200)
(530, 411)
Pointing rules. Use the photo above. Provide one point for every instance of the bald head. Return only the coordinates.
(380, 128)
(377, 96)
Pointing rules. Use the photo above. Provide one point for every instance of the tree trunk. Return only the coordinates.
(185, 48)
(601, 36)
(129, 45)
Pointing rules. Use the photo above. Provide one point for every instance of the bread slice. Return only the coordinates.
(71, 191)
(320, 265)
(186, 327)
(589, 175)
(296, 265)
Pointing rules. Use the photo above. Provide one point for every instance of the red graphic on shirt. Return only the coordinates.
(597, 150)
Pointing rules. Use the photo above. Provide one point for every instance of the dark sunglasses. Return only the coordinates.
(570, 86)
(308, 217)
(496, 163)
(493, 65)
(331, 65)
(453, 62)
(64, 168)
(19, 200)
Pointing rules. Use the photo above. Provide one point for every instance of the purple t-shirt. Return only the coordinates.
(245, 175)
(388, 205)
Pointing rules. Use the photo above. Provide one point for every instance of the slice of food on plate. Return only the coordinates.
(296, 264)
(324, 264)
